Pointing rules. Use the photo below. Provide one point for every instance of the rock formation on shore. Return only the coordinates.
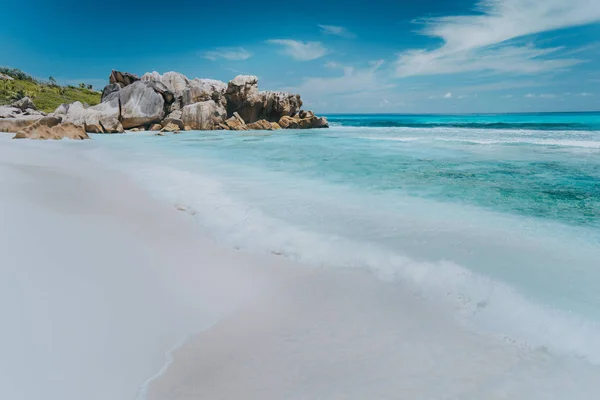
(169, 102)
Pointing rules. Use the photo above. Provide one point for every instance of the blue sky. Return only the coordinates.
(423, 56)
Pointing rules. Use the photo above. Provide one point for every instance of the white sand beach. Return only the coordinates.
(98, 281)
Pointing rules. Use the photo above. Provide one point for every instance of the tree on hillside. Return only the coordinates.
(52, 81)
(16, 73)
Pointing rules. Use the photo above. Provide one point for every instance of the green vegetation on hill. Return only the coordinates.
(45, 95)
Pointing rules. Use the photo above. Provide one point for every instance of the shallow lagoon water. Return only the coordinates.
(497, 224)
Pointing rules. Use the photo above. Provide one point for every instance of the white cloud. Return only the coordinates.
(352, 80)
(486, 41)
(337, 31)
(541, 96)
(375, 64)
(228, 53)
(507, 96)
(302, 51)
(450, 95)
(585, 94)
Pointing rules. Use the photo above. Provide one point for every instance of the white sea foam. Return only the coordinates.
(541, 142)
(484, 303)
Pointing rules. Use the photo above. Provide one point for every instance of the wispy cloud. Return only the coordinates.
(228, 53)
(546, 96)
(449, 95)
(352, 80)
(302, 51)
(337, 31)
(489, 40)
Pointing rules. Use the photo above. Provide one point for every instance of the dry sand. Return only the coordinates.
(97, 280)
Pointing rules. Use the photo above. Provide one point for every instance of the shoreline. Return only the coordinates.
(256, 326)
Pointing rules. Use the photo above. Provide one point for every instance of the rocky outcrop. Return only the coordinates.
(172, 102)
(20, 114)
(4, 77)
(140, 105)
(52, 128)
(205, 115)
(102, 118)
(211, 104)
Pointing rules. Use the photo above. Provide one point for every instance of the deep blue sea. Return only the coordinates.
(496, 217)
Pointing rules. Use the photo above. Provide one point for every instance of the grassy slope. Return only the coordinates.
(44, 96)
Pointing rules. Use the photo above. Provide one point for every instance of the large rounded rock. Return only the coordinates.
(320, 122)
(287, 122)
(243, 97)
(104, 117)
(235, 123)
(10, 112)
(277, 104)
(261, 125)
(110, 92)
(205, 115)
(74, 113)
(140, 105)
(18, 123)
(296, 122)
(163, 90)
(122, 78)
(101, 118)
(203, 90)
(173, 121)
(176, 82)
(52, 128)
(24, 104)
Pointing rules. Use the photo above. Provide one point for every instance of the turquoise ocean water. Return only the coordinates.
(494, 217)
